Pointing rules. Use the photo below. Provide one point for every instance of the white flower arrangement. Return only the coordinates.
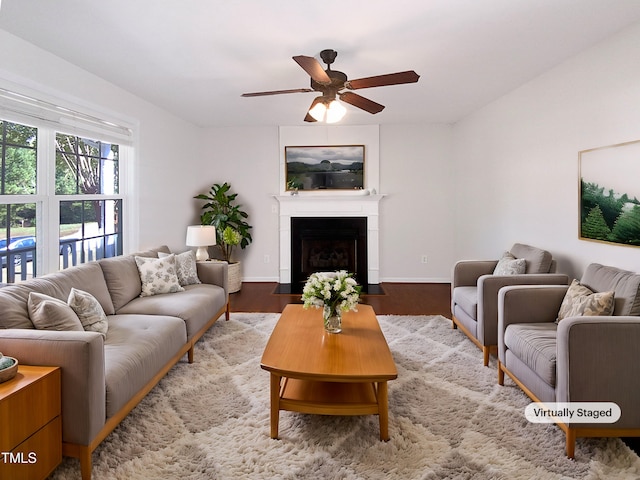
(337, 290)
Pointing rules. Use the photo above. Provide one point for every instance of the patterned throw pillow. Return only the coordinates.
(185, 267)
(158, 275)
(49, 313)
(89, 311)
(510, 265)
(581, 301)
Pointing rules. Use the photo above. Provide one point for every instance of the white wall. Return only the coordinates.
(246, 158)
(416, 218)
(415, 174)
(167, 146)
(516, 160)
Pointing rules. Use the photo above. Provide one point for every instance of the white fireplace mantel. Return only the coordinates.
(323, 204)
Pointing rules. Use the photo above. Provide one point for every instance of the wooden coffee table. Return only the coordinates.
(316, 372)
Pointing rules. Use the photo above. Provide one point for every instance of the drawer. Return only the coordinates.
(37, 456)
(27, 403)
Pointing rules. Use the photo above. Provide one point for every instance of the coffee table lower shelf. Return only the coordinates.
(329, 398)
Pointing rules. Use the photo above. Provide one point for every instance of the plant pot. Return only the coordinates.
(235, 277)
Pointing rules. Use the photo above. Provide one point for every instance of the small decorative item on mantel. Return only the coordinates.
(8, 368)
(335, 292)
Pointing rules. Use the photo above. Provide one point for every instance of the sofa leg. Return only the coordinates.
(86, 464)
(190, 354)
(453, 324)
(500, 374)
(485, 356)
(227, 312)
(571, 443)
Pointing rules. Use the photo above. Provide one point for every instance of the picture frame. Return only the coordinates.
(609, 194)
(324, 167)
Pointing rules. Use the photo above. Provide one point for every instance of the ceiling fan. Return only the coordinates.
(331, 84)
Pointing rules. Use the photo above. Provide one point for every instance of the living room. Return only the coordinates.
(505, 171)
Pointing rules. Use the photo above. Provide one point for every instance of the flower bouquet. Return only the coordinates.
(335, 292)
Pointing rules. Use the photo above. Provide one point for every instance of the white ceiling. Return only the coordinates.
(195, 57)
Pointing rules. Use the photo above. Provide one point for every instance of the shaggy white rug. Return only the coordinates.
(448, 419)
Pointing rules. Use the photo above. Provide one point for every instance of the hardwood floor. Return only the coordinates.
(396, 299)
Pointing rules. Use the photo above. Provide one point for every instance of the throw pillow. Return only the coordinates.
(48, 313)
(510, 265)
(158, 275)
(89, 311)
(185, 267)
(581, 301)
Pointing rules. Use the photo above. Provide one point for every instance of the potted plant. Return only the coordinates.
(231, 227)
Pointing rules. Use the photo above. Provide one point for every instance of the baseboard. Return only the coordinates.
(415, 280)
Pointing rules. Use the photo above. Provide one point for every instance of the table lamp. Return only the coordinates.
(201, 236)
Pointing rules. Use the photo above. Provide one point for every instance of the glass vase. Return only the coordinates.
(332, 319)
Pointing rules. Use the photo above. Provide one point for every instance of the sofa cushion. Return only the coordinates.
(48, 313)
(122, 277)
(158, 275)
(625, 284)
(185, 267)
(195, 305)
(538, 260)
(88, 276)
(89, 311)
(535, 345)
(581, 301)
(510, 265)
(467, 299)
(136, 348)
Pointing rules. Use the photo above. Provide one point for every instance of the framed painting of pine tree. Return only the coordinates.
(610, 194)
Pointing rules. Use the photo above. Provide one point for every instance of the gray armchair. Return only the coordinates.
(474, 292)
(580, 358)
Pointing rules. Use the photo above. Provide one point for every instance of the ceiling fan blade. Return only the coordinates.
(382, 80)
(308, 117)
(361, 102)
(313, 68)
(277, 92)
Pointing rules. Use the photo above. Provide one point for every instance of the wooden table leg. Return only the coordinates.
(383, 410)
(275, 404)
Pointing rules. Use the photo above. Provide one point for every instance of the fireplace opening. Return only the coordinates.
(320, 244)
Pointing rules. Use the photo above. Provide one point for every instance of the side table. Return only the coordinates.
(30, 425)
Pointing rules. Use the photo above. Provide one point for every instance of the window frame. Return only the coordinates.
(47, 257)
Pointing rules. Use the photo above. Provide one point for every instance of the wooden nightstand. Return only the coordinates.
(31, 429)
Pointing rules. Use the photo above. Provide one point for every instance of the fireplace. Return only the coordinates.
(347, 207)
(321, 244)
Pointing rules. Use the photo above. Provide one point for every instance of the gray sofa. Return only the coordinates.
(580, 358)
(104, 378)
(474, 292)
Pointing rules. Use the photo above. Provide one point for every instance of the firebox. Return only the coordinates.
(320, 244)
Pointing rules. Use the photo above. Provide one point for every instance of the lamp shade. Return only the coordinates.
(201, 236)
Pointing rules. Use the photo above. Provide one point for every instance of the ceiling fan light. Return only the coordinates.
(318, 111)
(335, 112)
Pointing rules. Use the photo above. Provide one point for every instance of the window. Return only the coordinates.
(62, 182)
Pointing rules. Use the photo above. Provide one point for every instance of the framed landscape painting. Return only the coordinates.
(610, 194)
(339, 167)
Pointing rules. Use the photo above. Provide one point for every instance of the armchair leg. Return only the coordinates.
(453, 324)
(227, 312)
(571, 443)
(485, 355)
(500, 374)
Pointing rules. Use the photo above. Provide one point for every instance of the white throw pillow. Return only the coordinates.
(185, 267)
(510, 265)
(89, 311)
(158, 275)
(49, 313)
